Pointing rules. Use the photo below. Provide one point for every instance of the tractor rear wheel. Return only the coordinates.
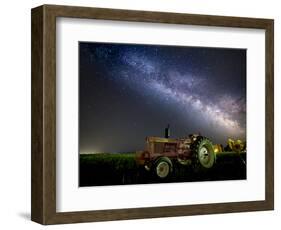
(203, 153)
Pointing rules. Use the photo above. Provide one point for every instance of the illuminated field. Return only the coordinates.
(121, 169)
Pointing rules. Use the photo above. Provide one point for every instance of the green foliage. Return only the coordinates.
(124, 161)
(118, 169)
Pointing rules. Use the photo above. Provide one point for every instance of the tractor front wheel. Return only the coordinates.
(163, 167)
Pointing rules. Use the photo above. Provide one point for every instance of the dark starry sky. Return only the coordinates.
(128, 92)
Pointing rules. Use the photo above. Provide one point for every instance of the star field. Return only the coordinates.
(128, 92)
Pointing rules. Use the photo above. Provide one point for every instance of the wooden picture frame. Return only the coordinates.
(43, 202)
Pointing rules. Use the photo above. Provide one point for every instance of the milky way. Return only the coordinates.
(128, 92)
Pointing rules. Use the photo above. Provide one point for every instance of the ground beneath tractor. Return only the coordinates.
(122, 169)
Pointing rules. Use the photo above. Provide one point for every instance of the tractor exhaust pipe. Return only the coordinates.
(167, 131)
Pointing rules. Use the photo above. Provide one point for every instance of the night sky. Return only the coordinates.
(128, 92)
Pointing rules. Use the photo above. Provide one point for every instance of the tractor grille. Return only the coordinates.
(158, 147)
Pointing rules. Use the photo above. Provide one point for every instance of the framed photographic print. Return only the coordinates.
(141, 114)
